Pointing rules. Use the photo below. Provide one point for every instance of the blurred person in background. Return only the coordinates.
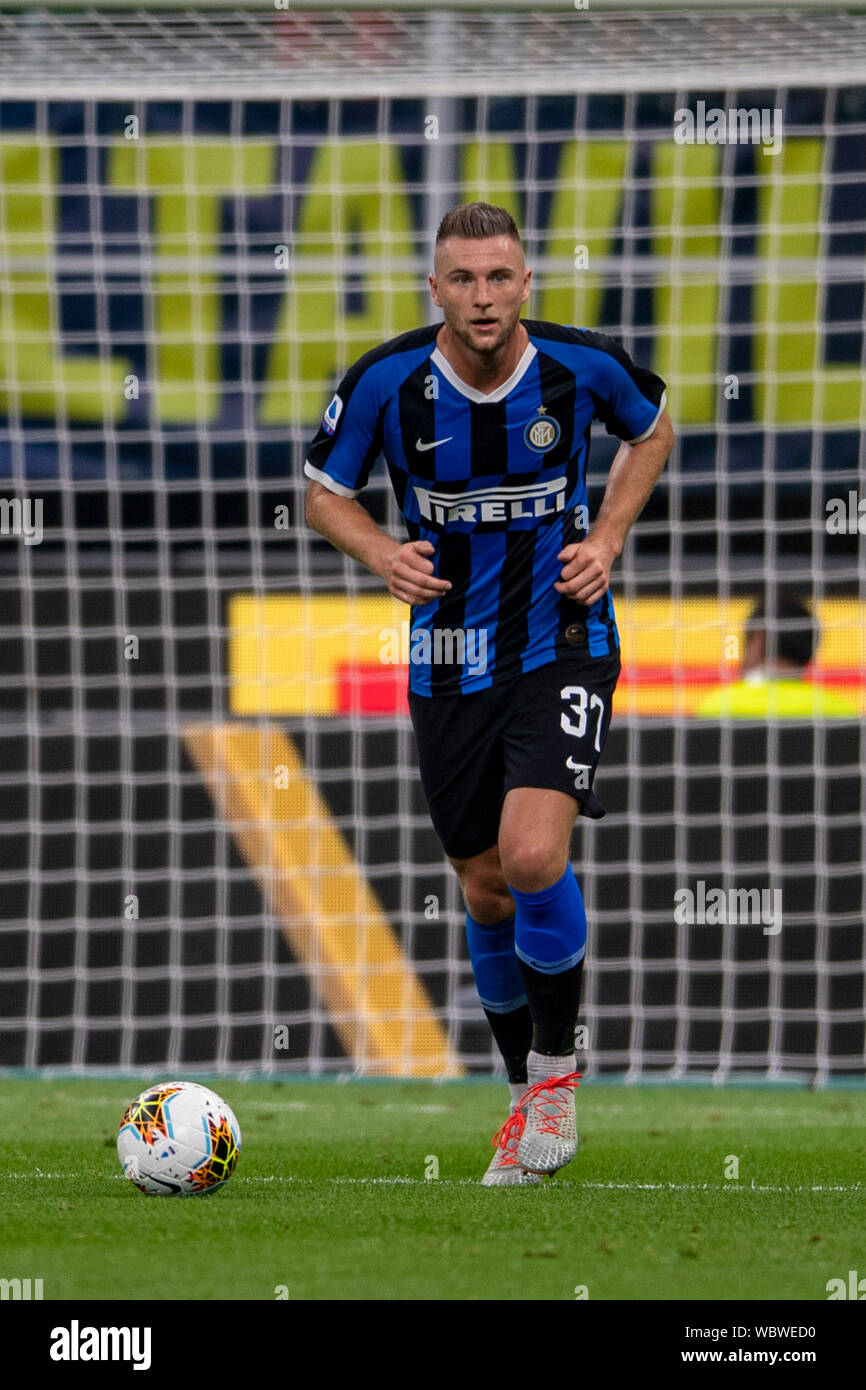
(782, 636)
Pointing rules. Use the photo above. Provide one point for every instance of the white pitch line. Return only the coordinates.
(473, 1182)
(599, 1186)
(365, 1182)
(252, 1104)
(38, 1174)
(282, 1105)
(716, 1187)
(420, 1109)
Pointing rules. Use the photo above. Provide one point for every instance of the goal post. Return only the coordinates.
(216, 853)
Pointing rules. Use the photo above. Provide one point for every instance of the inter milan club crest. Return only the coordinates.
(542, 433)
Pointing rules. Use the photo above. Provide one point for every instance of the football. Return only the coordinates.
(178, 1139)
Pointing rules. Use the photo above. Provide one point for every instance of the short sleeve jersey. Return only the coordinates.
(497, 482)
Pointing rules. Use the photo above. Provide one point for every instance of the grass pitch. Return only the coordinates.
(331, 1200)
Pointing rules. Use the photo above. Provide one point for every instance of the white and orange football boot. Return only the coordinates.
(548, 1137)
(504, 1170)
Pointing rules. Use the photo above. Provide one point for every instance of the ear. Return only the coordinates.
(434, 294)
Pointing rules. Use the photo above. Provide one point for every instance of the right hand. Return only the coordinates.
(409, 576)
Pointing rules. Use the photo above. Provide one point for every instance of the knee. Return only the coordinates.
(486, 894)
(532, 866)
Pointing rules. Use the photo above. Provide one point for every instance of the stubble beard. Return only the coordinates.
(487, 351)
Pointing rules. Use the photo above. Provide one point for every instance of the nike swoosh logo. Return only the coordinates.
(436, 442)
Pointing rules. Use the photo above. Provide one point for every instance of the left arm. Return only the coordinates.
(586, 564)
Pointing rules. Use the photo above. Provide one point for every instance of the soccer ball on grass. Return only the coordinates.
(178, 1139)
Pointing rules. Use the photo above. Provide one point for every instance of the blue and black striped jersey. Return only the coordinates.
(496, 482)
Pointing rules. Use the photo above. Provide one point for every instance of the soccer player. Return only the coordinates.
(484, 422)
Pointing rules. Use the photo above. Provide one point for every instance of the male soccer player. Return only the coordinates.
(484, 421)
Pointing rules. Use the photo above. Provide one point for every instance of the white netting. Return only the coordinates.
(274, 53)
(204, 218)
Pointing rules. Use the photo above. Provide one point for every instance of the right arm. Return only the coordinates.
(406, 569)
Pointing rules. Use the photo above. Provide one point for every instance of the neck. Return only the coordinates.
(775, 671)
(481, 370)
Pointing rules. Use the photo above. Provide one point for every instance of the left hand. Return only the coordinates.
(586, 566)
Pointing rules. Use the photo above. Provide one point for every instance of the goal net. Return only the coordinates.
(216, 855)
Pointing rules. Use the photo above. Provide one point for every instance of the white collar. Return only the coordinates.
(471, 392)
(761, 676)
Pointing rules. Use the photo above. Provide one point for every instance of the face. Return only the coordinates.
(480, 286)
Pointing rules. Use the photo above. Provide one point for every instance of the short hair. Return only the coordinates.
(476, 222)
(791, 628)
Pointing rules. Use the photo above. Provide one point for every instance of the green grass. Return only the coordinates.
(330, 1198)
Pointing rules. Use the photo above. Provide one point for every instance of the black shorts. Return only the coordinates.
(544, 728)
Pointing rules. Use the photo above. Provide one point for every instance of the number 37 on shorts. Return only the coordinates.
(583, 718)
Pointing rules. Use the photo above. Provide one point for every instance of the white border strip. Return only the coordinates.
(330, 483)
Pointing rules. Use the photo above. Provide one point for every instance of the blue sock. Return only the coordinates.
(550, 926)
(497, 974)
